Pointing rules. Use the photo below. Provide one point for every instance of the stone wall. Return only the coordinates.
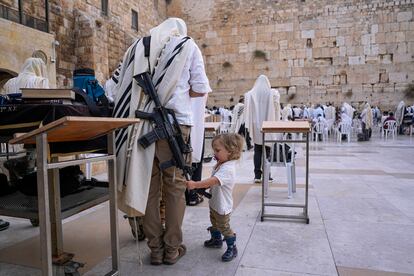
(87, 37)
(313, 51)
(14, 37)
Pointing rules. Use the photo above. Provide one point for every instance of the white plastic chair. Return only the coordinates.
(343, 129)
(390, 127)
(320, 128)
(330, 125)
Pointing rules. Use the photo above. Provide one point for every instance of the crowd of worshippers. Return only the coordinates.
(232, 118)
(154, 197)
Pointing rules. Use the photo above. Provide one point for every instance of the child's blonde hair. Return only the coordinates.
(232, 142)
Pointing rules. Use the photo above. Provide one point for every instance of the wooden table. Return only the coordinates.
(212, 127)
(286, 127)
(63, 130)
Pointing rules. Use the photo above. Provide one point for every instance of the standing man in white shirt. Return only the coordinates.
(177, 70)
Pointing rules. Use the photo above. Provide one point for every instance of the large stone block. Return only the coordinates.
(397, 77)
(356, 60)
(405, 16)
(308, 34)
(303, 81)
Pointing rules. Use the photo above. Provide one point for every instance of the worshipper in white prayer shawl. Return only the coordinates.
(237, 117)
(297, 112)
(261, 104)
(287, 113)
(349, 110)
(367, 122)
(345, 118)
(318, 111)
(111, 83)
(399, 113)
(178, 74)
(239, 124)
(32, 75)
(305, 112)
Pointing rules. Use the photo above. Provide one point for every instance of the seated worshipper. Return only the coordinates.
(389, 118)
(384, 117)
(260, 105)
(367, 121)
(321, 121)
(178, 74)
(344, 118)
(32, 75)
(318, 111)
(297, 112)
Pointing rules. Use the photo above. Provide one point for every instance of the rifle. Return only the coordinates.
(164, 129)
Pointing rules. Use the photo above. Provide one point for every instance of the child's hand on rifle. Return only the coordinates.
(191, 184)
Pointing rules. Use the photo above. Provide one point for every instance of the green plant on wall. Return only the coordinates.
(348, 94)
(260, 54)
(227, 64)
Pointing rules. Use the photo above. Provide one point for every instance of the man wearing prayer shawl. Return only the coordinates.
(287, 113)
(177, 69)
(399, 115)
(32, 75)
(367, 122)
(261, 104)
(349, 110)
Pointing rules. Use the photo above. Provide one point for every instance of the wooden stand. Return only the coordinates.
(63, 130)
(286, 127)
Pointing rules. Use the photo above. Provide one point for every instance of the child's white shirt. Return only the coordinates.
(221, 195)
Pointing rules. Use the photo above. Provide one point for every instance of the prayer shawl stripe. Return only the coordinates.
(181, 43)
(178, 48)
(120, 102)
(172, 58)
(120, 137)
(115, 80)
(122, 143)
(124, 106)
(118, 134)
(166, 67)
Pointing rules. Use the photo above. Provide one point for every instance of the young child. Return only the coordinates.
(227, 149)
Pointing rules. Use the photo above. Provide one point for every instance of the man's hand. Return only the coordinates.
(195, 94)
(191, 184)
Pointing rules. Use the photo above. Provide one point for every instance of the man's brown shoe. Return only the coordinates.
(180, 252)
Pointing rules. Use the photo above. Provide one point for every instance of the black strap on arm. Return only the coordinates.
(147, 43)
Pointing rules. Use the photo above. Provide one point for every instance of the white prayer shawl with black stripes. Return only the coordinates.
(169, 52)
(237, 118)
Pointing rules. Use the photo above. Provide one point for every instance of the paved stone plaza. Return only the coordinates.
(361, 222)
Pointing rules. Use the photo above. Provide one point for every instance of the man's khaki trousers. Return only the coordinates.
(173, 186)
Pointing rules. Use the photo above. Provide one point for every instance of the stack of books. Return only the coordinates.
(47, 96)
